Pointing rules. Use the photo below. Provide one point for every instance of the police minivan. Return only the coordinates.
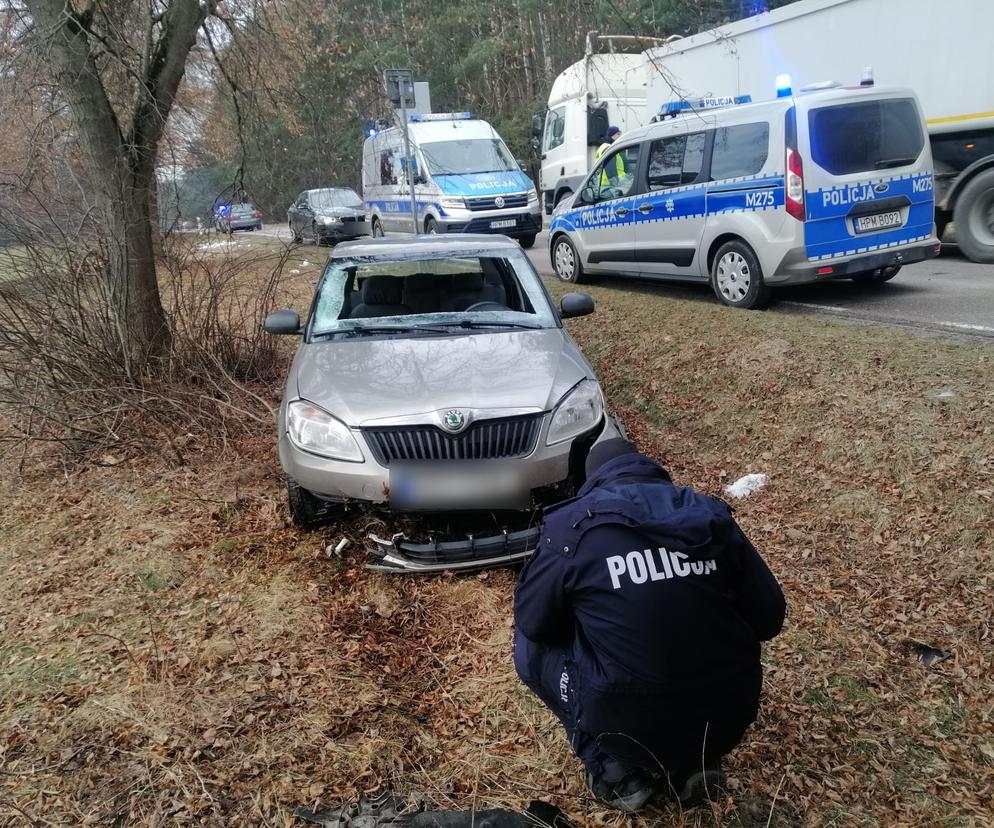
(465, 180)
(832, 182)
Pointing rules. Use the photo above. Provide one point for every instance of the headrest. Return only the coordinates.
(467, 281)
(382, 290)
(421, 283)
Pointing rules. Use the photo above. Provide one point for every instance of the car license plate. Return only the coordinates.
(457, 485)
(878, 221)
(496, 225)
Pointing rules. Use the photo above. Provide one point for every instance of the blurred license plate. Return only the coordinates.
(878, 221)
(494, 225)
(457, 485)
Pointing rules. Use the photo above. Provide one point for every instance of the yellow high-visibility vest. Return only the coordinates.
(619, 163)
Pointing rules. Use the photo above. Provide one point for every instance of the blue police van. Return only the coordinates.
(831, 182)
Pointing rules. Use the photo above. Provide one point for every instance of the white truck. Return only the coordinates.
(941, 50)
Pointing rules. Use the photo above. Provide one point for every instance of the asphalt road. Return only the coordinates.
(947, 295)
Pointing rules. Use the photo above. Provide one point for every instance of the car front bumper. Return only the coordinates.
(797, 269)
(343, 229)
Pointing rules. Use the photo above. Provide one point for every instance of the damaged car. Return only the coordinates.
(434, 375)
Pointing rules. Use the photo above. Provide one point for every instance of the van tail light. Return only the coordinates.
(258, 213)
(795, 185)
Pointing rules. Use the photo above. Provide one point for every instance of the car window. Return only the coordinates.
(675, 160)
(613, 177)
(555, 128)
(740, 151)
(330, 199)
(441, 292)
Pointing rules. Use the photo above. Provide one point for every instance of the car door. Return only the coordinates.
(670, 214)
(603, 213)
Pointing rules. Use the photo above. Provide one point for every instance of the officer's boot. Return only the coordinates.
(620, 786)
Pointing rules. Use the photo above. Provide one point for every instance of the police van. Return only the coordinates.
(465, 180)
(832, 182)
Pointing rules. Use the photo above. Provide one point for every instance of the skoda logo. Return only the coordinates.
(454, 420)
(499, 202)
(881, 187)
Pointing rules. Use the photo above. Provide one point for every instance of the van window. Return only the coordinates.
(555, 128)
(740, 151)
(675, 161)
(865, 136)
(613, 177)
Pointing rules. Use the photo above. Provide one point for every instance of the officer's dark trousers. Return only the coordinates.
(661, 733)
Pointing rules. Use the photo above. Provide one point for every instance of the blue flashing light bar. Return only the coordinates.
(783, 86)
(674, 108)
(441, 116)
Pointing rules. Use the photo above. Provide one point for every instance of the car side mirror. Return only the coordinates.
(576, 304)
(587, 195)
(283, 323)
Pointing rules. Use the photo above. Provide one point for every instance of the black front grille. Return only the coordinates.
(483, 440)
(353, 218)
(490, 202)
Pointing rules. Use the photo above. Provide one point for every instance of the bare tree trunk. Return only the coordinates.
(122, 163)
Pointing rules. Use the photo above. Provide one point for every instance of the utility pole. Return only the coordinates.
(399, 86)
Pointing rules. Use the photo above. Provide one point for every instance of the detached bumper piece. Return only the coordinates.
(401, 555)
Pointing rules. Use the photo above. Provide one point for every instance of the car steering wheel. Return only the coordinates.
(487, 306)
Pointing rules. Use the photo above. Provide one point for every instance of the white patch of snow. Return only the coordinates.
(945, 394)
(305, 263)
(294, 272)
(745, 486)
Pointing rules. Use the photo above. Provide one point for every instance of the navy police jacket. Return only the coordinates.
(649, 587)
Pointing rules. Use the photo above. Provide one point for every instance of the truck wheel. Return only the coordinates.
(737, 278)
(876, 277)
(527, 241)
(566, 262)
(974, 218)
(560, 196)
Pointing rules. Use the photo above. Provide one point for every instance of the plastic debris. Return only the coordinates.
(745, 486)
(945, 394)
(925, 653)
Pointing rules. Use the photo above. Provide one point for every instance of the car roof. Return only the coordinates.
(398, 248)
(332, 189)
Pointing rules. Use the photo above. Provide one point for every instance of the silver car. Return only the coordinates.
(434, 375)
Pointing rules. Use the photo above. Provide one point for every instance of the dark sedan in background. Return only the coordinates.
(326, 216)
(245, 216)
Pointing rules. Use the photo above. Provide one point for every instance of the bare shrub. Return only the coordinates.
(66, 389)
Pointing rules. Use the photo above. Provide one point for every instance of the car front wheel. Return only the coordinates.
(307, 511)
(737, 278)
(566, 262)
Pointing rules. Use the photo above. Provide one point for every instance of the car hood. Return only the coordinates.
(340, 212)
(359, 381)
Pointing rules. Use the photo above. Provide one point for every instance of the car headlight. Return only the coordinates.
(316, 431)
(532, 196)
(327, 219)
(454, 201)
(579, 411)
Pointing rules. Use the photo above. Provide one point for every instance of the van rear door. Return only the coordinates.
(867, 172)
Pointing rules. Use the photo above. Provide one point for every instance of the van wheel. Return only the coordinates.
(566, 261)
(376, 229)
(876, 277)
(431, 227)
(974, 219)
(527, 241)
(737, 278)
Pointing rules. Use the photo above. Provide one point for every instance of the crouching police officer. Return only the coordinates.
(638, 623)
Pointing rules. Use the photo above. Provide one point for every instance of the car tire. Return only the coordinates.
(566, 261)
(876, 277)
(737, 278)
(431, 227)
(376, 229)
(528, 242)
(974, 219)
(306, 510)
(297, 238)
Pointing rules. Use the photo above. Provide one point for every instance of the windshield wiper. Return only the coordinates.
(894, 162)
(370, 330)
(479, 323)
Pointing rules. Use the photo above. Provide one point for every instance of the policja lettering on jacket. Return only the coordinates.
(642, 566)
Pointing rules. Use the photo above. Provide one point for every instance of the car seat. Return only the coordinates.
(468, 289)
(381, 296)
(421, 293)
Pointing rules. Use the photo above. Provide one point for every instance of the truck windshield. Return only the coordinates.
(327, 199)
(464, 157)
(865, 136)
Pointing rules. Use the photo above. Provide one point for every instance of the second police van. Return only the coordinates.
(832, 182)
(465, 180)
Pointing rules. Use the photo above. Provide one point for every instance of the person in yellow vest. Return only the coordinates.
(618, 167)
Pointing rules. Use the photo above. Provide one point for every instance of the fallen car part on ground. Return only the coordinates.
(401, 555)
(387, 811)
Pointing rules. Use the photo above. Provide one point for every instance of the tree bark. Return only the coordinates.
(123, 163)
